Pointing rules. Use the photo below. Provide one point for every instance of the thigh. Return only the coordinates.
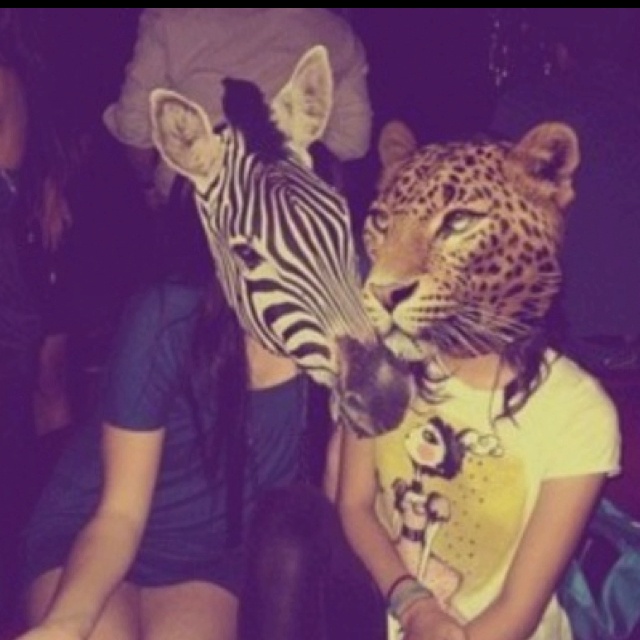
(195, 610)
(119, 618)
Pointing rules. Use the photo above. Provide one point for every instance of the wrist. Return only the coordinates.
(404, 593)
(68, 627)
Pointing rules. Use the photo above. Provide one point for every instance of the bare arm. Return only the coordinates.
(556, 524)
(356, 499)
(106, 546)
(425, 620)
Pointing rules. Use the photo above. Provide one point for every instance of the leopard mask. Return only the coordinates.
(464, 239)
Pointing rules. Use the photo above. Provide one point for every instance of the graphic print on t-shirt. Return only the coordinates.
(453, 499)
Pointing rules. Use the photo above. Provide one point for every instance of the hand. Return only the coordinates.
(425, 620)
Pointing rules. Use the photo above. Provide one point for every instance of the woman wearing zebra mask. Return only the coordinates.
(140, 533)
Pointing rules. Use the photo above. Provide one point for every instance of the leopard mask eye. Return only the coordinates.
(458, 221)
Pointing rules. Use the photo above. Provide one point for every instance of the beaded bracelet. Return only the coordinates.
(405, 594)
(396, 583)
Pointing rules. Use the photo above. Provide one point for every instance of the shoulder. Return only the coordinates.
(577, 419)
(575, 387)
(322, 18)
(185, 16)
(326, 27)
(161, 13)
(162, 306)
(155, 21)
(154, 334)
(570, 395)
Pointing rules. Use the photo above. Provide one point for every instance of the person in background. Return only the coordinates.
(141, 531)
(191, 50)
(43, 219)
(467, 514)
(34, 224)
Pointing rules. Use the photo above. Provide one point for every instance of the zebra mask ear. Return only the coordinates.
(182, 133)
(302, 108)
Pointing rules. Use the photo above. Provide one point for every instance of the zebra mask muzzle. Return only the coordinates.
(374, 388)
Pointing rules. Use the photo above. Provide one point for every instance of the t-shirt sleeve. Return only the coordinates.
(146, 364)
(588, 441)
(128, 119)
(348, 133)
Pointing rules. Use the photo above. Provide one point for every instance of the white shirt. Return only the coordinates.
(469, 484)
(190, 50)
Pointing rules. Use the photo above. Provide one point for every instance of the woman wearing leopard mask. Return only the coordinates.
(467, 514)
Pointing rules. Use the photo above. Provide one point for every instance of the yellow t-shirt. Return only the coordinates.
(457, 487)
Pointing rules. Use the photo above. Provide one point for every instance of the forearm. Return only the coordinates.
(372, 544)
(503, 620)
(417, 611)
(100, 558)
(550, 538)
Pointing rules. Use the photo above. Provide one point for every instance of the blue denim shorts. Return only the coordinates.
(148, 570)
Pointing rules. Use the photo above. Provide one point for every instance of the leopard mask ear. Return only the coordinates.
(543, 163)
(396, 144)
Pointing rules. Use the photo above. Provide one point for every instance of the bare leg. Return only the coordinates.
(188, 611)
(119, 619)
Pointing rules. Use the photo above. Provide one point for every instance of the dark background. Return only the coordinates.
(434, 68)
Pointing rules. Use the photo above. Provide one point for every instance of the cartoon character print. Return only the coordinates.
(435, 449)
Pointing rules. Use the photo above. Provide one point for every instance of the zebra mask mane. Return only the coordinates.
(244, 109)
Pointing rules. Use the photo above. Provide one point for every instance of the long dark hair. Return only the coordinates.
(218, 369)
(527, 357)
(217, 362)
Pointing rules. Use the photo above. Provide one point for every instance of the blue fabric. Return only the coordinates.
(144, 390)
(609, 611)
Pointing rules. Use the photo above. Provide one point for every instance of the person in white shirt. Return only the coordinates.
(191, 50)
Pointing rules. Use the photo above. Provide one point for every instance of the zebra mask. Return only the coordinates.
(281, 237)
